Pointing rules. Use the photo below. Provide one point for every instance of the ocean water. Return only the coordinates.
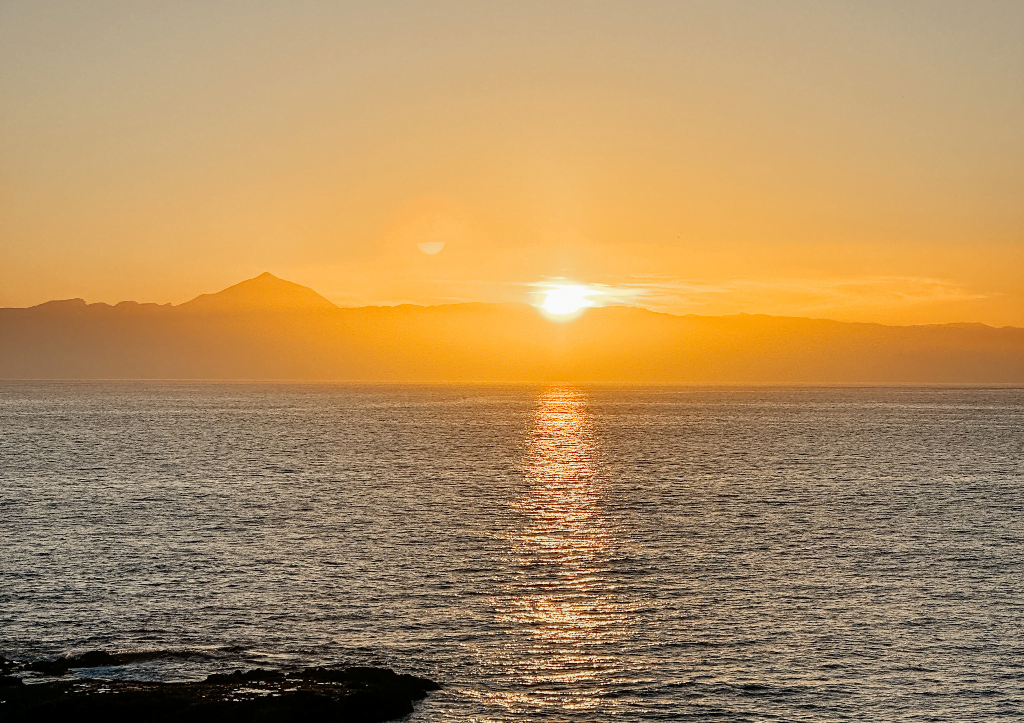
(546, 552)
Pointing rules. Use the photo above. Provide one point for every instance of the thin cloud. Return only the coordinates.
(802, 296)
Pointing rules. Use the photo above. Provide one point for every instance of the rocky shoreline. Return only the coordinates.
(335, 693)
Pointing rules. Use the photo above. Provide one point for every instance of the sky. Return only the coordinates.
(861, 161)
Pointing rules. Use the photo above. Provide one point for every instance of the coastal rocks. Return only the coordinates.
(60, 666)
(91, 659)
(8, 666)
(356, 694)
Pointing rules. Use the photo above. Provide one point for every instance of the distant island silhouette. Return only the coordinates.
(267, 328)
(265, 292)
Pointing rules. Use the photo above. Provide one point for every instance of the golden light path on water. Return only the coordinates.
(567, 611)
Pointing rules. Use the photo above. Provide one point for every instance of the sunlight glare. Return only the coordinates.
(566, 299)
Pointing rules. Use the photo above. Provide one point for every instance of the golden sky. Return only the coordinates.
(848, 160)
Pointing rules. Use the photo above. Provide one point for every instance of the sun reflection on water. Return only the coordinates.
(565, 611)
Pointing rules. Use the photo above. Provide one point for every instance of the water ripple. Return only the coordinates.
(551, 553)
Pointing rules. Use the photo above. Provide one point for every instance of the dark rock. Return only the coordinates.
(359, 695)
(6, 680)
(91, 659)
(258, 674)
(50, 667)
(94, 659)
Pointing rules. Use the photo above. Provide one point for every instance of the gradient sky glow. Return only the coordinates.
(850, 160)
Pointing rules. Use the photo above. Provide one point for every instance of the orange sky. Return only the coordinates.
(857, 161)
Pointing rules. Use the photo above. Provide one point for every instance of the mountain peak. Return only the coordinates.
(263, 292)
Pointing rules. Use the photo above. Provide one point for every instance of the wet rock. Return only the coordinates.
(90, 659)
(256, 675)
(94, 659)
(60, 666)
(49, 667)
(359, 695)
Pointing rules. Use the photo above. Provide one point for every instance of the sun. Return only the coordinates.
(566, 299)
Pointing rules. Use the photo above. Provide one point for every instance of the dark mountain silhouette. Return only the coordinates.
(265, 292)
(268, 328)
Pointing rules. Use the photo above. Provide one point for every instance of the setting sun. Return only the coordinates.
(567, 299)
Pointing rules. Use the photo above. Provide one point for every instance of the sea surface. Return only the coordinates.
(562, 553)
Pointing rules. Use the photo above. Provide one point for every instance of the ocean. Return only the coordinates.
(546, 552)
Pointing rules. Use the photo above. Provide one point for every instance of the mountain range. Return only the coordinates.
(267, 328)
